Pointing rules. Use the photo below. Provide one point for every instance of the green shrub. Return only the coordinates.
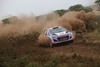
(9, 20)
(88, 9)
(61, 12)
(97, 1)
(6, 21)
(79, 7)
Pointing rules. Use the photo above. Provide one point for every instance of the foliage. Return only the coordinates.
(79, 7)
(61, 12)
(88, 9)
(9, 20)
(97, 2)
(6, 21)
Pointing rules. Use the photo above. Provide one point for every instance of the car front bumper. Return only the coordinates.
(57, 42)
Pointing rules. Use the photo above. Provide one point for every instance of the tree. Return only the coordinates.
(10, 20)
(61, 12)
(98, 3)
(6, 21)
(77, 7)
(88, 9)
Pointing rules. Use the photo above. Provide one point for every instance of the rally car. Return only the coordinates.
(58, 34)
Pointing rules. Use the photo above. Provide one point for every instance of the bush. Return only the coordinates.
(97, 2)
(9, 20)
(61, 12)
(88, 9)
(79, 7)
(6, 21)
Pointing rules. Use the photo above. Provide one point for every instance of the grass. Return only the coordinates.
(31, 56)
(19, 38)
(22, 52)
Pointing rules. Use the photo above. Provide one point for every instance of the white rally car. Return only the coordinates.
(59, 34)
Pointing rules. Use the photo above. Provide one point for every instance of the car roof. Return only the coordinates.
(55, 27)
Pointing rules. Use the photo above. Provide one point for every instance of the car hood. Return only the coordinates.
(60, 34)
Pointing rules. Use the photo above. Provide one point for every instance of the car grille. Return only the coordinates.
(63, 38)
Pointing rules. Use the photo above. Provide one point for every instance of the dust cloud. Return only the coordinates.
(22, 25)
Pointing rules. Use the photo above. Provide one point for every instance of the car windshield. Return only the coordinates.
(57, 30)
